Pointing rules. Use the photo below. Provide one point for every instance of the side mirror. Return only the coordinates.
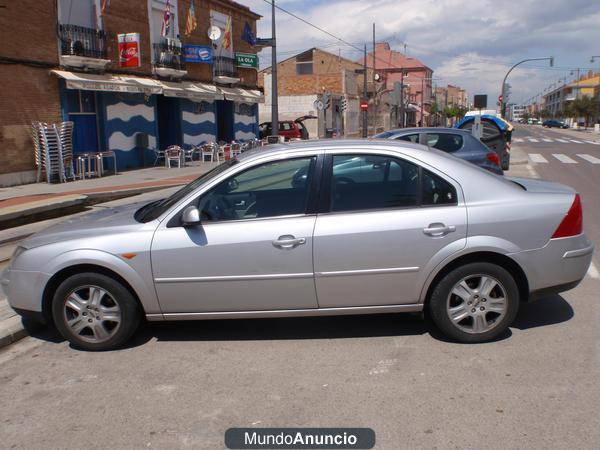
(190, 216)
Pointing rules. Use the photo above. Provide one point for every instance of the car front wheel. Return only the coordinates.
(475, 303)
(95, 312)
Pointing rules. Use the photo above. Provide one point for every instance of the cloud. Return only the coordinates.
(470, 43)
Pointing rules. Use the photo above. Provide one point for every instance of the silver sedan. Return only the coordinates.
(308, 229)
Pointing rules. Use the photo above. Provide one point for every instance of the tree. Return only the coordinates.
(586, 107)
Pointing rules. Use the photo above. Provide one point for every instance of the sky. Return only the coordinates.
(467, 43)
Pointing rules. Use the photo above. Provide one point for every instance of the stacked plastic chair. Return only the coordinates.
(53, 150)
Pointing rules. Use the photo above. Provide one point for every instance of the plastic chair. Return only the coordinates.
(173, 154)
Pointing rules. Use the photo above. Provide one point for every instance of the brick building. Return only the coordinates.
(60, 61)
(313, 75)
(394, 67)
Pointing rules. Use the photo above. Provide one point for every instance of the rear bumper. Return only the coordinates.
(559, 266)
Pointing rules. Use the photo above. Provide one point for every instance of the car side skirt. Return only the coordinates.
(287, 313)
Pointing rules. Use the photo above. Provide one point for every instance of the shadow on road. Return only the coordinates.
(548, 311)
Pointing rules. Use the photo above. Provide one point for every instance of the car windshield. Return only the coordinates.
(155, 209)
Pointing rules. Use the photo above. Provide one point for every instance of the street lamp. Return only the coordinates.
(502, 101)
(593, 57)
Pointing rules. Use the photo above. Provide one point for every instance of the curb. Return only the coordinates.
(13, 330)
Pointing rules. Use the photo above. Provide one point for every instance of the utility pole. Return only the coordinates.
(274, 104)
(374, 114)
(365, 113)
(402, 113)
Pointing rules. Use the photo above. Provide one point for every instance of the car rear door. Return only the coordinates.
(383, 227)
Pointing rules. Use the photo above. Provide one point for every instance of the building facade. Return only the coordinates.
(312, 76)
(393, 68)
(556, 101)
(129, 74)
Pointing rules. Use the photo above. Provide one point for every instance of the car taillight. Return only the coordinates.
(572, 224)
(493, 157)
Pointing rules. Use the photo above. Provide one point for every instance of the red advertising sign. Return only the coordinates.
(129, 50)
(364, 105)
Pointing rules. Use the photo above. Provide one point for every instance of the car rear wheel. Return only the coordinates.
(475, 303)
(94, 311)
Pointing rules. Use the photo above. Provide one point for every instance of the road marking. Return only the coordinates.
(562, 140)
(532, 172)
(593, 142)
(593, 272)
(576, 142)
(547, 140)
(533, 140)
(519, 140)
(537, 158)
(589, 158)
(564, 158)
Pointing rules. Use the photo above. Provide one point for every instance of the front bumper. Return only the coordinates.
(559, 266)
(24, 289)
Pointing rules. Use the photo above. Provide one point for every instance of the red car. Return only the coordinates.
(289, 129)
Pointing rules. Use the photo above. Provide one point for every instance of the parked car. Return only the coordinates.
(533, 121)
(459, 143)
(553, 123)
(289, 129)
(497, 135)
(376, 227)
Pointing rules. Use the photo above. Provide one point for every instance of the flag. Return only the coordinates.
(166, 23)
(105, 4)
(227, 34)
(191, 23)
(248, 35)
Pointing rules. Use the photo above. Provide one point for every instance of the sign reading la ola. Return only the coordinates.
(246, 60)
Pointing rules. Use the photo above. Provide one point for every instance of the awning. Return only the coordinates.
(108, 82)
(242, 95)
(413, 107)
(192, 91)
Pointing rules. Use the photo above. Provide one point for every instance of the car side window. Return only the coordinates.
(437, 191)
(362, 182)
(446, 142)
(277, 188)
(409, 137)
(285, 126)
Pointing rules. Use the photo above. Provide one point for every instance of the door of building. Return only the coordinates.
(225, 113)
(81, 109)
(169, 121)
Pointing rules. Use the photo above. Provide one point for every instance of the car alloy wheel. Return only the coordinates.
(477, 303)
(92, 314)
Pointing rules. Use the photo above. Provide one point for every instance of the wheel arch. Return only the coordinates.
(60, 276)
(499, 259)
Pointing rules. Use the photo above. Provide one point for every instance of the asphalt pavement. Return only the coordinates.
(181, 385)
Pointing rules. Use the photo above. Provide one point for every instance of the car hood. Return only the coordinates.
(99, 223)
(542, 186)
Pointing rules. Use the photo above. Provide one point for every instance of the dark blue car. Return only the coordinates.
(459, 143)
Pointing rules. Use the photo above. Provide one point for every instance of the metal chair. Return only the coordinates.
(173, 154)
(158, 154)
(208, 150)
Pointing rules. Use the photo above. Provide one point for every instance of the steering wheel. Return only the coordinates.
(218, 208)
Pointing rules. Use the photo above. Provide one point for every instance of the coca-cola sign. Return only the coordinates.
(129, 50)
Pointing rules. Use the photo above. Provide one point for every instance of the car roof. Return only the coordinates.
(429, 129)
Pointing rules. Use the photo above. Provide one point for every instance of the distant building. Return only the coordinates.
(449, 96)
(416, 77)
(516, 112)
(313, 76)
(557, 100)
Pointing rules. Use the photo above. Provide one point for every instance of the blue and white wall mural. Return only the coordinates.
(198, 122)
(245, 122)
(127, 115)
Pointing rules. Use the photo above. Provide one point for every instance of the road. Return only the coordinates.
(181, 385)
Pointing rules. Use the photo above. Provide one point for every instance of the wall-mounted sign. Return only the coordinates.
(198, 53)
(246, 60)
(129, 50)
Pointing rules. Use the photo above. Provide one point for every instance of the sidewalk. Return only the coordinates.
(32, 202)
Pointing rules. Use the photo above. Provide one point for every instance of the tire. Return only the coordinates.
(506, 162)
(497, 314)
(95, 312)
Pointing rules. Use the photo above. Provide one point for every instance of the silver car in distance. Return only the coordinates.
(308, 229)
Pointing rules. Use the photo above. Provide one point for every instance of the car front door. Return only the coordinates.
(387, 220)
(252, 250)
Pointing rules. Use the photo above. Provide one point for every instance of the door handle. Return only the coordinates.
(288, 241)
(438, 229)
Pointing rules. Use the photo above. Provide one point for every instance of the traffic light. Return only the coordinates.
(326, 101)
(344, 105)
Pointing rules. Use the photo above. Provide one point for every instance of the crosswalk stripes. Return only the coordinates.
(547, 140)
(533, 140)
(590, 158)
(575, 142)
(564, 158)
(537, 140)
(537, 158)
(592, 142)
(562, 140)
(519, 140)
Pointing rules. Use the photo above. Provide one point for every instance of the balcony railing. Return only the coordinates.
(223, 66)
(81, 41)
(168, 55)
